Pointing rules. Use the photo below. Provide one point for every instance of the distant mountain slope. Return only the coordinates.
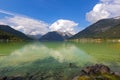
(55, 36)
(101, 29)
(113, 32)
(65, 35)
(8, 33)
(35, 37)
(52, 36)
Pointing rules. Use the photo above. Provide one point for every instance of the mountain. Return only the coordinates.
(35, 37)
(113, 32)
(65, 35)
(55, 36)
(8, 33)
(105, 28)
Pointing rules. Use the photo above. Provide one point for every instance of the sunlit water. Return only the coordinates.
(53, 58)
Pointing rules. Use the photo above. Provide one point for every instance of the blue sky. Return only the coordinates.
(50, 11)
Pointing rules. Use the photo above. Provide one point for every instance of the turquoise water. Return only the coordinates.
(55, 57)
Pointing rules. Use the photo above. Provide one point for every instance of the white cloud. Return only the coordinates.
(34, 27)
(6, 12)
(64, 26)
(104, 9)
(26, 25)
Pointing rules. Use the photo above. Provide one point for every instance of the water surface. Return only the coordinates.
(56, 57)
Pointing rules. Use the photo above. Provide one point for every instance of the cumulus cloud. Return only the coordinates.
(64, 26)
(26, 25)
(32, 26)
(104, 9)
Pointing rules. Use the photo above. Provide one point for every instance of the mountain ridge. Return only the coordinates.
(98, 29)
(55, 36)
(10, 34)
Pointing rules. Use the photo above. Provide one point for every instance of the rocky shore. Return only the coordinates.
(95, 72)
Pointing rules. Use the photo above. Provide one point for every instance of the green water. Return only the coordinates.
(55, 57)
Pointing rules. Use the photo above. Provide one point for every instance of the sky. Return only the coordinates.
(41, 16)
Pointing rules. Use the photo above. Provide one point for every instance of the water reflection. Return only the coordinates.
(49, 57)
(35, 51)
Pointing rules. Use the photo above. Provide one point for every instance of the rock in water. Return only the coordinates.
(98, 68)
(98, 72)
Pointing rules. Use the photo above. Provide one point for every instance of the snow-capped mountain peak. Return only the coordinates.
(117, 17)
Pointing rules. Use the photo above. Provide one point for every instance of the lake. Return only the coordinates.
(60, 59)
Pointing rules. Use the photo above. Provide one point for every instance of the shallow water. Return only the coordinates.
(56, 57)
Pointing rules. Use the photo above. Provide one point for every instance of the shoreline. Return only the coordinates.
(93, 72)
(97, 72)
(99, 40)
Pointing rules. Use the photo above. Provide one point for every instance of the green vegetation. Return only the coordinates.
(99, 76)
(113, 32)
(4, 36)
(9, 34)
(103, 29)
